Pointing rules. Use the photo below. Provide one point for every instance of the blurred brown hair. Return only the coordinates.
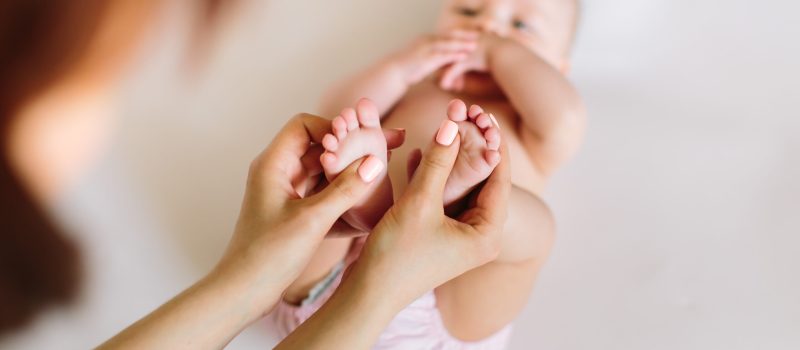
(41, 41)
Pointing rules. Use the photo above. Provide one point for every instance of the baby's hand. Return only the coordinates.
(477, 61)
(432, 52)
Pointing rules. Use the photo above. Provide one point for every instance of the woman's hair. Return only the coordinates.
(40, 41)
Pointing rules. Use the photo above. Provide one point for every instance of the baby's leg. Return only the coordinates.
(482, 301)
(357, 133)
(330, 252)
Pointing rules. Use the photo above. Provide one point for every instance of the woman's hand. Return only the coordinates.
(280, 226)
(416, 241)
(413, 249)
(288, 206)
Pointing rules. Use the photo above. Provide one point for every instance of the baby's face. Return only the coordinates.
(544, 26)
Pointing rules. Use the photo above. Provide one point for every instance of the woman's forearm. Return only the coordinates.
(206, 316)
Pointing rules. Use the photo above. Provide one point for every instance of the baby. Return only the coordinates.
(507, 58)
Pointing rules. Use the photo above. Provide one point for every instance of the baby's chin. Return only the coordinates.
(481, 85)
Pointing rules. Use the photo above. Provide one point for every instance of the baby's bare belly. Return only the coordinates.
(421, 112)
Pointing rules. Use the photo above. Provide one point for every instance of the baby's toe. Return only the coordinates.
(328, 161)
(474, 111)
(368, 114)
(492, 157)
(492, 136)
(457, 111)
(350, 117)
(483, 121)
(330, 142)
(339, 126)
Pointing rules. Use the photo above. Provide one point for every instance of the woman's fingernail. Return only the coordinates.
(494, 120)
(447, 133)
(370, 168)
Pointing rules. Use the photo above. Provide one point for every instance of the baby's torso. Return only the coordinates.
(422, 110)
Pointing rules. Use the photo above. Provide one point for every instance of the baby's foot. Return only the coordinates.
(356, 134)
(478, 155)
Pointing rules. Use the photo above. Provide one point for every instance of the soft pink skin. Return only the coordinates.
(543, 26)
(478, 155)
(521, 80)
(356, 134)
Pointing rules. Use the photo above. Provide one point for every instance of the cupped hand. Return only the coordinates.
(416, 247)
(288, 207)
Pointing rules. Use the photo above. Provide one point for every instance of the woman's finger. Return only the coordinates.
(310, 160)
(293, 141)
(436, 164)
(349, 187)
(394, 138)
(414, 158)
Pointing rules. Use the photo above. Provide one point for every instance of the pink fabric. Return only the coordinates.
(418, 326)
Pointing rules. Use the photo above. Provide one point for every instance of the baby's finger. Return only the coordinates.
(451, 74)
(463, 34)
(454, 46)
(460, 83)
(436, 62)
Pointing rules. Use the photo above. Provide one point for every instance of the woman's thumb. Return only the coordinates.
(437, 162)
(349, 188)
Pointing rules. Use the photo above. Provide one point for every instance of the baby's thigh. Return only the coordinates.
(330, 252)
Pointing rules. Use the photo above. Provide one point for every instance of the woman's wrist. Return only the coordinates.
(254, 287)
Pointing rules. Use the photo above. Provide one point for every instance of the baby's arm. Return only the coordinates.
(551, 112)
(386, 82)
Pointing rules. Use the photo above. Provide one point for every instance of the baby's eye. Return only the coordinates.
(520, 24)
(466, 11)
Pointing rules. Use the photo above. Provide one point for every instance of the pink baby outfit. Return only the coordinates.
(419, 326)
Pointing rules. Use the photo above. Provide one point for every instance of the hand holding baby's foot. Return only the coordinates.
(478, 155)
(357, 133)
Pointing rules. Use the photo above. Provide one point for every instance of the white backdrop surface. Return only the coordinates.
(679, 223)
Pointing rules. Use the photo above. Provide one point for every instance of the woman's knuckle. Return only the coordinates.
(344, 188)
(435, 162)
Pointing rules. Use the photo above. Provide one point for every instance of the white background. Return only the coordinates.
(679, 223)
